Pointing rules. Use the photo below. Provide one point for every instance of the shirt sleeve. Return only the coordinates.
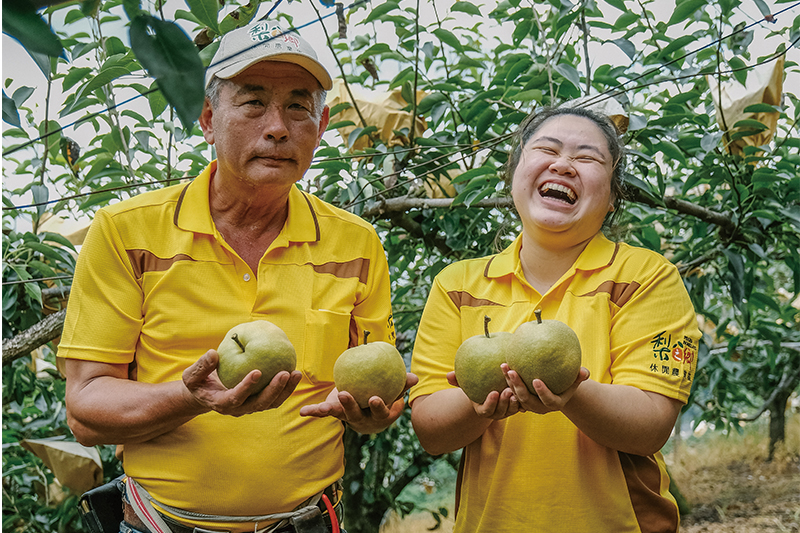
(438, 338)
(373, 309)
(104, 313)
(654, 336)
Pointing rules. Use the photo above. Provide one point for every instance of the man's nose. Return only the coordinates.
(274, 124)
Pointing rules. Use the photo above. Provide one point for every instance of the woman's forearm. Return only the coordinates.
(446, 421)
(621, 417)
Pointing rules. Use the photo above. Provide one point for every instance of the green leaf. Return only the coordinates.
(626, 46)
(751, 124)
(172, 59)
(763, 7)
(10, 113)
(380, 10)
(522, 30)
(485, 120)
(447, 37)
(516, 69)
(101, 198)
(671, 150)
(112, 69)
(761, 108)
(375, 49)
(338, 108)
(74, 75)
(677, 44)
(427, 103)
(684, 10)
(466, 7)
(40, 196)
(739, 69)
(21, 21)
(206, 12)
(469, 174)
(132, 8)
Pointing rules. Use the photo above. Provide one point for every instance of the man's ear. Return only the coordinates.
(205, 122)
(323, 123)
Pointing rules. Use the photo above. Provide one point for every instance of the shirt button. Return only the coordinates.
(246, 277)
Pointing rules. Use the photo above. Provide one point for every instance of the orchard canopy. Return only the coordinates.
(100, 101)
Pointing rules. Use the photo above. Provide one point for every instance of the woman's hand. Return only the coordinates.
(498, 405)
(544, 401)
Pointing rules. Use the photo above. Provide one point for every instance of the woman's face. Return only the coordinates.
(562, 184)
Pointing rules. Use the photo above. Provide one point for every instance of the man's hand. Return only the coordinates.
(544, 401)
(374, 419)
(498, 405)
(205, 389)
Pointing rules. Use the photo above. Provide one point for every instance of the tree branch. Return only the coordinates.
(788, 381)
(41, 333)
(414, 228)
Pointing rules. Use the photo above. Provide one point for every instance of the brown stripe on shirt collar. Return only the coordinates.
(313, 214)
(180, 203)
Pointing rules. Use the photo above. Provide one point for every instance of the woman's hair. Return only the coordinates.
(535, 120)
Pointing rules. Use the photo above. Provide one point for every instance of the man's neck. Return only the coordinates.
(249, 218)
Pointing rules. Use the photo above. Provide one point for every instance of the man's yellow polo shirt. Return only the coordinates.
(156, 284)
(539, 473)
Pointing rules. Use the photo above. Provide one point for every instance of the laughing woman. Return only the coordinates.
(587, 460)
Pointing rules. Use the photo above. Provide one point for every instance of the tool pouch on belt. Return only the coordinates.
(101, 507)
(309, 520)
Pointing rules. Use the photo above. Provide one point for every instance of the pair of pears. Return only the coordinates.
(367, 370)
(540, 349)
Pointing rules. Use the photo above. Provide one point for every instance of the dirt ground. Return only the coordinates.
(745, 496)
(730, 485)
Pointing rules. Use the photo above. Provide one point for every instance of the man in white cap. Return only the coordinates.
(163, 276)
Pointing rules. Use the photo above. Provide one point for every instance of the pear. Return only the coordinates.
(367, 370)
(545, 349)
(257, 345)
(477, 363)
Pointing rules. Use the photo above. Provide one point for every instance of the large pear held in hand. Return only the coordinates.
(545, 349)
(477, 363)
(257, 345)
(367, 370)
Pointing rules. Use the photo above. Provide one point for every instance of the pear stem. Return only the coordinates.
(486, 321)
(538, 313)
(235, 338)
(366, 334)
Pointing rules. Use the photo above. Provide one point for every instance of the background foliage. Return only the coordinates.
(728, 219)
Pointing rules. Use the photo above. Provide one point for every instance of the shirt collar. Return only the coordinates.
(599, 253)
(193, 212)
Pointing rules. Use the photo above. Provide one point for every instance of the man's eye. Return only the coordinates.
(544, 149)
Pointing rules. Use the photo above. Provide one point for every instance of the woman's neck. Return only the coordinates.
(543, 265)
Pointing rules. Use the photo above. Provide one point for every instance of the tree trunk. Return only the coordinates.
(777, 421)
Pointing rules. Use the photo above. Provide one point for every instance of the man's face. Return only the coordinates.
(266, 124)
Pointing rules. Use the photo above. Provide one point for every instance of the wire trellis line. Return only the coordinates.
(293, 29)
(593, 100)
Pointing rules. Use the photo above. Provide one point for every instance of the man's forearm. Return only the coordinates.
(109, 410)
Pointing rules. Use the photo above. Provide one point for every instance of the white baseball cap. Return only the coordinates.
(264, 41)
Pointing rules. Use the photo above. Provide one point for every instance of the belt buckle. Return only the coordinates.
(308, 520)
